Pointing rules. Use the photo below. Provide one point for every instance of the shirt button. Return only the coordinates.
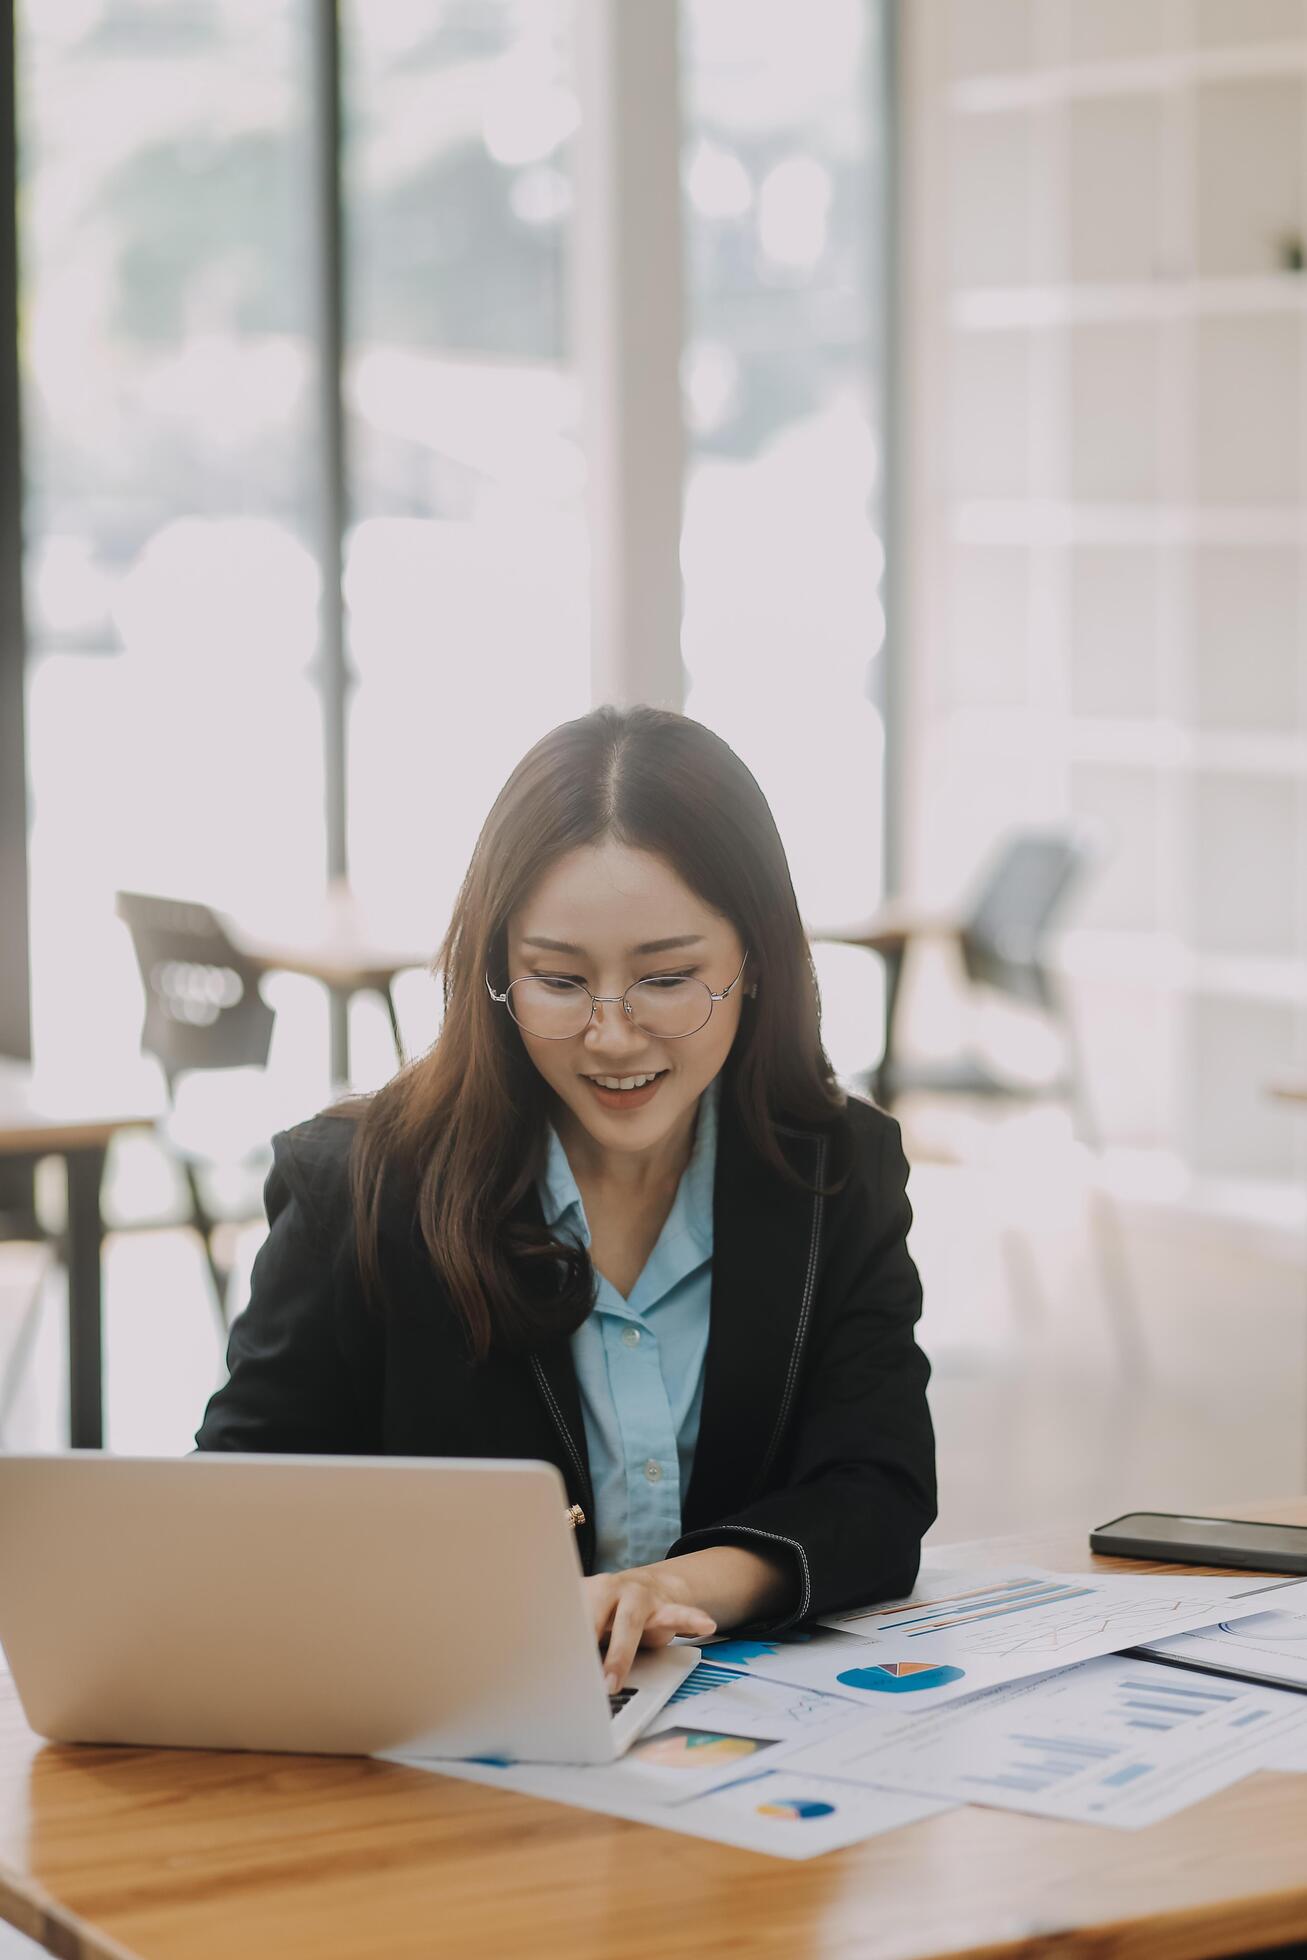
(631, 1338)
(653, 1470)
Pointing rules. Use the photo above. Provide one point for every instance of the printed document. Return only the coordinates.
(963, 1630)
(1112, 1741)
(785, 1816)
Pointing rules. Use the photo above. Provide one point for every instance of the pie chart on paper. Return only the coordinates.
(900, 1677)
(692, 1749)
(796, 1810)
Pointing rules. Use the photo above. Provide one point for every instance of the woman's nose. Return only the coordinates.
(611, 1025)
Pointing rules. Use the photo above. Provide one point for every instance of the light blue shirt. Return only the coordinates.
(639, 1361)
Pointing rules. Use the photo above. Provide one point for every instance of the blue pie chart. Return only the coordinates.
(900, 1677)
(738, 1653)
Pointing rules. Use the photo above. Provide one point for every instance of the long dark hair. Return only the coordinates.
(463, 1129)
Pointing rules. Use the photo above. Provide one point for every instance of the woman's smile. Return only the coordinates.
(625, 1092)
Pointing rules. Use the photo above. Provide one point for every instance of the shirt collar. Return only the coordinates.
(559, 1191)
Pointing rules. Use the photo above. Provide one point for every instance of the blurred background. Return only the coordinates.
(914, 393)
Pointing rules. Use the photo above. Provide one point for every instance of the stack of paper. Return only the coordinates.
(1010, 1689)
(1108, 1742)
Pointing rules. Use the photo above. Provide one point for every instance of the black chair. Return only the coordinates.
(203, 1010)
(1003, 939)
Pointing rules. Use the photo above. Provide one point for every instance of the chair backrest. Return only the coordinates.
(1007, 932)
(203, 1008)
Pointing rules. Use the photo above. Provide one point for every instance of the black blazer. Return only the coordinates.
(815, 1438)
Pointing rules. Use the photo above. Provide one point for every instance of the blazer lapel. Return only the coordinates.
(554, 1376)
(766, 1236)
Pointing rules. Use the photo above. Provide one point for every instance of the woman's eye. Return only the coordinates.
(554, 982)
(664, 982)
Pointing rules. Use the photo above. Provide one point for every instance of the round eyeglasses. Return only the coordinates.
(668, 1006)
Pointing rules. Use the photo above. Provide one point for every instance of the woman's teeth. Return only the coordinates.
(624, 1081)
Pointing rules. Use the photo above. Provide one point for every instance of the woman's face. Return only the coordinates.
(601, 916)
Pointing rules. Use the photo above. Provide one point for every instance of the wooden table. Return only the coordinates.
(339, 943)
(172, 1855)
(35, 1123)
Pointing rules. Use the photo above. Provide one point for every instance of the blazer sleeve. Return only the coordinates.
(300, 1356)
(857, 1490)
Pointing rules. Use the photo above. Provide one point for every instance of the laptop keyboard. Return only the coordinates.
(617, 1702)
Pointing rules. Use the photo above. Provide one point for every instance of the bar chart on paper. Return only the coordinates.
(1042, 1762)
(1110, 1741)
(1162, 1705)
(979, 1606)
(1042, 1614)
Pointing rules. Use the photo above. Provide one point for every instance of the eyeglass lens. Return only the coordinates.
(555, 1009)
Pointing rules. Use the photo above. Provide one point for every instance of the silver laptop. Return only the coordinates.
(349, 1605)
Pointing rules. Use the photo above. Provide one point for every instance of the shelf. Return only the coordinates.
(1160, 745)
(1161, 961)
(1057, 521)
(1138, 75)
(992, 309)
(1114, 370)
(1168, 745)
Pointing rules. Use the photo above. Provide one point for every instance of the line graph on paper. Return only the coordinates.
(1105, 1619)
(975, 1606)
(1035, 1615)
(741, 1703)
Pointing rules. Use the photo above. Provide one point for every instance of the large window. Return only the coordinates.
(171, 396)
(465, 573)
(172, 595)
(785, 179)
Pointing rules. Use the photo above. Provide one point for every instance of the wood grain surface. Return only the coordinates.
(179, 1855)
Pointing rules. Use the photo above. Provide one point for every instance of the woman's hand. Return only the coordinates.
(694, 1595)
(647, 1606)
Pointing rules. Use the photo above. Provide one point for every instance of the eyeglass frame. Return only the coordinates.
(612, 1000)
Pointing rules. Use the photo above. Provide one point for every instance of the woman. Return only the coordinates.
(619, 1217)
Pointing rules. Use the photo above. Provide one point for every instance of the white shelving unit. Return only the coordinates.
(1107, 316)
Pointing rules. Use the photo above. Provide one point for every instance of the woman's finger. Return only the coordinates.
(669, 1621)
(603, 1595)
(657, 1636)
(633, 1610)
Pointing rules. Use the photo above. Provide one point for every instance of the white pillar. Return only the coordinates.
(626, 331)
